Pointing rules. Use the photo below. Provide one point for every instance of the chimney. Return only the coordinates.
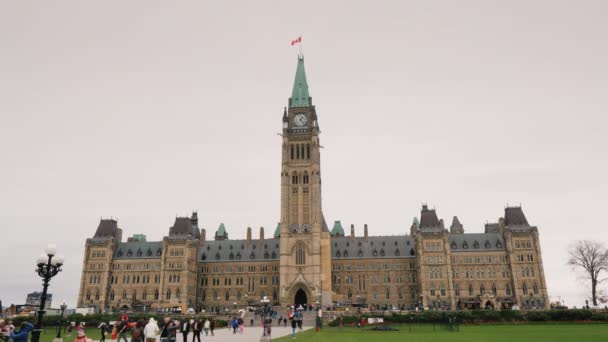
(365, 231)
(203, 234)
(261, 233)
(352, 231)
(248, 234)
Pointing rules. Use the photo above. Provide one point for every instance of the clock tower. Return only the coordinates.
(305, 240)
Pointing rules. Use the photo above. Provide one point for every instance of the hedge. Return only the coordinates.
(485, 316)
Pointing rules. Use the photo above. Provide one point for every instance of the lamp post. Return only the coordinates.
(49, 264)
(265, 321)
(62, 307)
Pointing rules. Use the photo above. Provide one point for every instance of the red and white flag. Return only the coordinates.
(296, 41)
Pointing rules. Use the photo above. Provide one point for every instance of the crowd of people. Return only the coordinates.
(167, 331)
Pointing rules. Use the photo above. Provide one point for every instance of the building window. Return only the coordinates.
(470, 290)
(508, 290)
(178, 293)
(457, 290)
(307, 151)
(535, 288)
(524, 288)
(155, 294)
(300, 254)
(227, 296)
(112, 295)
(168, 295)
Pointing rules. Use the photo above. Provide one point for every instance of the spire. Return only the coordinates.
(299, 95)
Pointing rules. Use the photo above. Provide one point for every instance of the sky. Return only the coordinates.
(147, 110)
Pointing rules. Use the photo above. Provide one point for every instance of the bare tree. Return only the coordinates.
(592, 257)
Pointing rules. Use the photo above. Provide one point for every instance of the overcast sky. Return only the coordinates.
(144, 110)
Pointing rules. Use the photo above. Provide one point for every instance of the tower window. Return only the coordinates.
(291, 151)
(298, 151)
(300, 255)
(307, 151)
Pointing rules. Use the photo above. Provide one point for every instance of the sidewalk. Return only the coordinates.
(250, 334)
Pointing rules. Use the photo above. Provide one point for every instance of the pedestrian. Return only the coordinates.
(137, 333)
(284, 322)
(196, 330)
(80, 336)
(5, 331)
(122, 329)
(185, 328)
(212, 326)
(293, 327)
(164, 331)
(172, 332)
(150, 330)
(235, 325)
(241, 324)
(102, 331)
(206, 326)
(23, 333)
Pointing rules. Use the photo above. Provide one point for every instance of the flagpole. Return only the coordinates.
(300, 46)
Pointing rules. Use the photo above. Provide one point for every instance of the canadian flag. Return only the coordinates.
(296, 41)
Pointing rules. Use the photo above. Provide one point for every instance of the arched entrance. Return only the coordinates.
(300, 298)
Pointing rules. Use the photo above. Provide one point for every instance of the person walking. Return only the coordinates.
(294, 324)
(102, 331)
(206, 326)
(185, 329)
(196, 330)
(122, 329)
(164, 331)
(212, 326)
(151, 330)
(23, 333)
(137, 334)
(80, 336)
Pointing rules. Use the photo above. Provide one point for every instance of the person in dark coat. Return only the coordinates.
(185, 328)
(196, 330)
(23, 333)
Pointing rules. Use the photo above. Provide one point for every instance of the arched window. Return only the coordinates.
(96, 294)
(375, 253)
(178, 293)
(168, 295)
(275, 295)
(524, 288)
(476, 245)
(300, 254)
(144, 295)
(124, 294)
(238, 295)
(338, 254)
(535, 289)
(134, 295)
(382, 252)
(298, 151)
(442, 290)
(227, 296)
(482, 289)
(453, 245)
(457, 290)
(345, 253)
(291, 151)
(231, 257)
(307, 151)
(88, 295)
(139, 253)
(266, 255)
(274, 255)
(155, 294)
(112, 295)
(470, 290)
(508, 289)
(494, 289)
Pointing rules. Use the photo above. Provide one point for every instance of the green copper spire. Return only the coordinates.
(277, 232)
(299, 95)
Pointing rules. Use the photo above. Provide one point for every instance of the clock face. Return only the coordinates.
(300, 120)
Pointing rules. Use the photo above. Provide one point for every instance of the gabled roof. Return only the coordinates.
(514, 216)
(428, 218)
(106, 228)
(376, 247)
(138, 250)
(476, 242)
(181, 227)
(239, 250)
(299, 94)
(337, 230)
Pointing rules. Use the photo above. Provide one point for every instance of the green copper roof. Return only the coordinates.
(299, 95)
(415, 222)
(221, 230)
(139, 237)
(337, 230)
(277, 232)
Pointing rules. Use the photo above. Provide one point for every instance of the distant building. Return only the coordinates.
(35, 297)
(304, 262)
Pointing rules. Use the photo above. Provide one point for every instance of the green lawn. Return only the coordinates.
(49, 334)
(466, 333)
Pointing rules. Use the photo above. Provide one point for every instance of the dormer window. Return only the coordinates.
(129, 253)
(476, 245)
(252, 255)
(204, 256)
(217, 256)
(465, 245)
(498, 244)
(453, 245)
(487, 244)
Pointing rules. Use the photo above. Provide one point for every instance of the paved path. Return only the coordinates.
(250, 334)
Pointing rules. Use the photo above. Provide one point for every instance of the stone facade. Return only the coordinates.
(306, 263)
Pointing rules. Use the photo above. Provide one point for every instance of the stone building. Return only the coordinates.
(303, 262)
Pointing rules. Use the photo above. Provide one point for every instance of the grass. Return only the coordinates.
(466, 333)
(92, 332)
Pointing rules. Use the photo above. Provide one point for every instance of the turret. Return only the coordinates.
(261, 233)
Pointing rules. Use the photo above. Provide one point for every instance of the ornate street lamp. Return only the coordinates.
(62, 307)
(265, 320)
(49, 264)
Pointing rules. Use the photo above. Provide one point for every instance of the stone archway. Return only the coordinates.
(300, 298)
